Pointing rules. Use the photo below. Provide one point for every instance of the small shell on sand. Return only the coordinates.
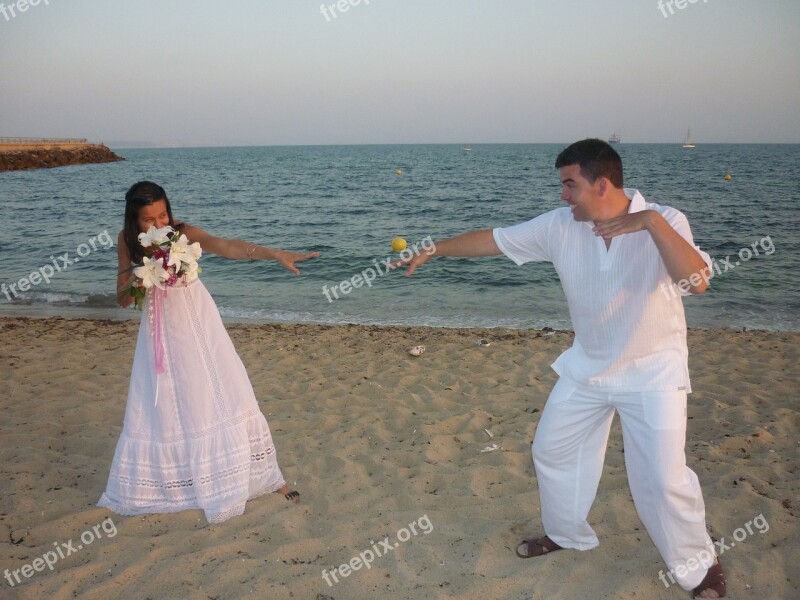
(416, 350)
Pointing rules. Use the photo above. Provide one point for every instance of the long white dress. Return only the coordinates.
(193, 436)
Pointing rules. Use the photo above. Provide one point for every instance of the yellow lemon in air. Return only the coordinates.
(398, 244)
(399, 171)
(728, 177)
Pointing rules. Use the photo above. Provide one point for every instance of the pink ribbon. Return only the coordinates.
(158, 298)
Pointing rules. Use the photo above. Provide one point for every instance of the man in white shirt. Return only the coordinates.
(620, 260)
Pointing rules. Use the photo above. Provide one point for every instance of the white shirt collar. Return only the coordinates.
(637, 200)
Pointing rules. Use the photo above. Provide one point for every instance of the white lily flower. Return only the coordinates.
(152, 273)
(155, 236)
(181, 251)
(190, 272)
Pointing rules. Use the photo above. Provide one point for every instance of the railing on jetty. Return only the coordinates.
(24, 140)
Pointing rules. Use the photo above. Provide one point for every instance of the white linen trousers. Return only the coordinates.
(568, 453)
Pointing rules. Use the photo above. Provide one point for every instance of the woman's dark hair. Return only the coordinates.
(141, 194)
(596, 158)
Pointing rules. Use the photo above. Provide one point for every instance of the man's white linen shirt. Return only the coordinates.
(630, 329)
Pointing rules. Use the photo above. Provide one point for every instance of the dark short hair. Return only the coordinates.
(596, 158)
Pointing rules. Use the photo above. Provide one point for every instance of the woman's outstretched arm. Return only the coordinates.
(241, 250)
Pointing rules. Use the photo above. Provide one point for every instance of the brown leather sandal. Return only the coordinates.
(539, 547)
(714, 580)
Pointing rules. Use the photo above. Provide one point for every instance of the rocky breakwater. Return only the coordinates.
(17, 157)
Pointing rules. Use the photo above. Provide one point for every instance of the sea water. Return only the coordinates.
(348, 202)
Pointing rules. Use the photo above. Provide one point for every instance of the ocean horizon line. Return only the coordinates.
(193, 146)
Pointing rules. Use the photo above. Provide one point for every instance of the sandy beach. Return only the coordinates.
(383, 446)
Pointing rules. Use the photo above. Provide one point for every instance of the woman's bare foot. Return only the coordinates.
(292, 496)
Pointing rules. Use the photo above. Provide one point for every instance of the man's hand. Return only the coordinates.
(412, 263)
(629, 223)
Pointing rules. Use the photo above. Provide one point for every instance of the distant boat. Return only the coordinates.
(688, 143)
(614, 139)
(467, 149)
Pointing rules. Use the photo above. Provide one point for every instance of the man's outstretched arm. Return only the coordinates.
(472, 243)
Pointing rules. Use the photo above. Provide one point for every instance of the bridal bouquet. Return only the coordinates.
(173, 261)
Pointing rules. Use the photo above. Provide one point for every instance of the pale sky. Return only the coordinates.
(273, 72)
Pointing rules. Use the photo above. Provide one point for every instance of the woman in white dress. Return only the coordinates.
(193, 435)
